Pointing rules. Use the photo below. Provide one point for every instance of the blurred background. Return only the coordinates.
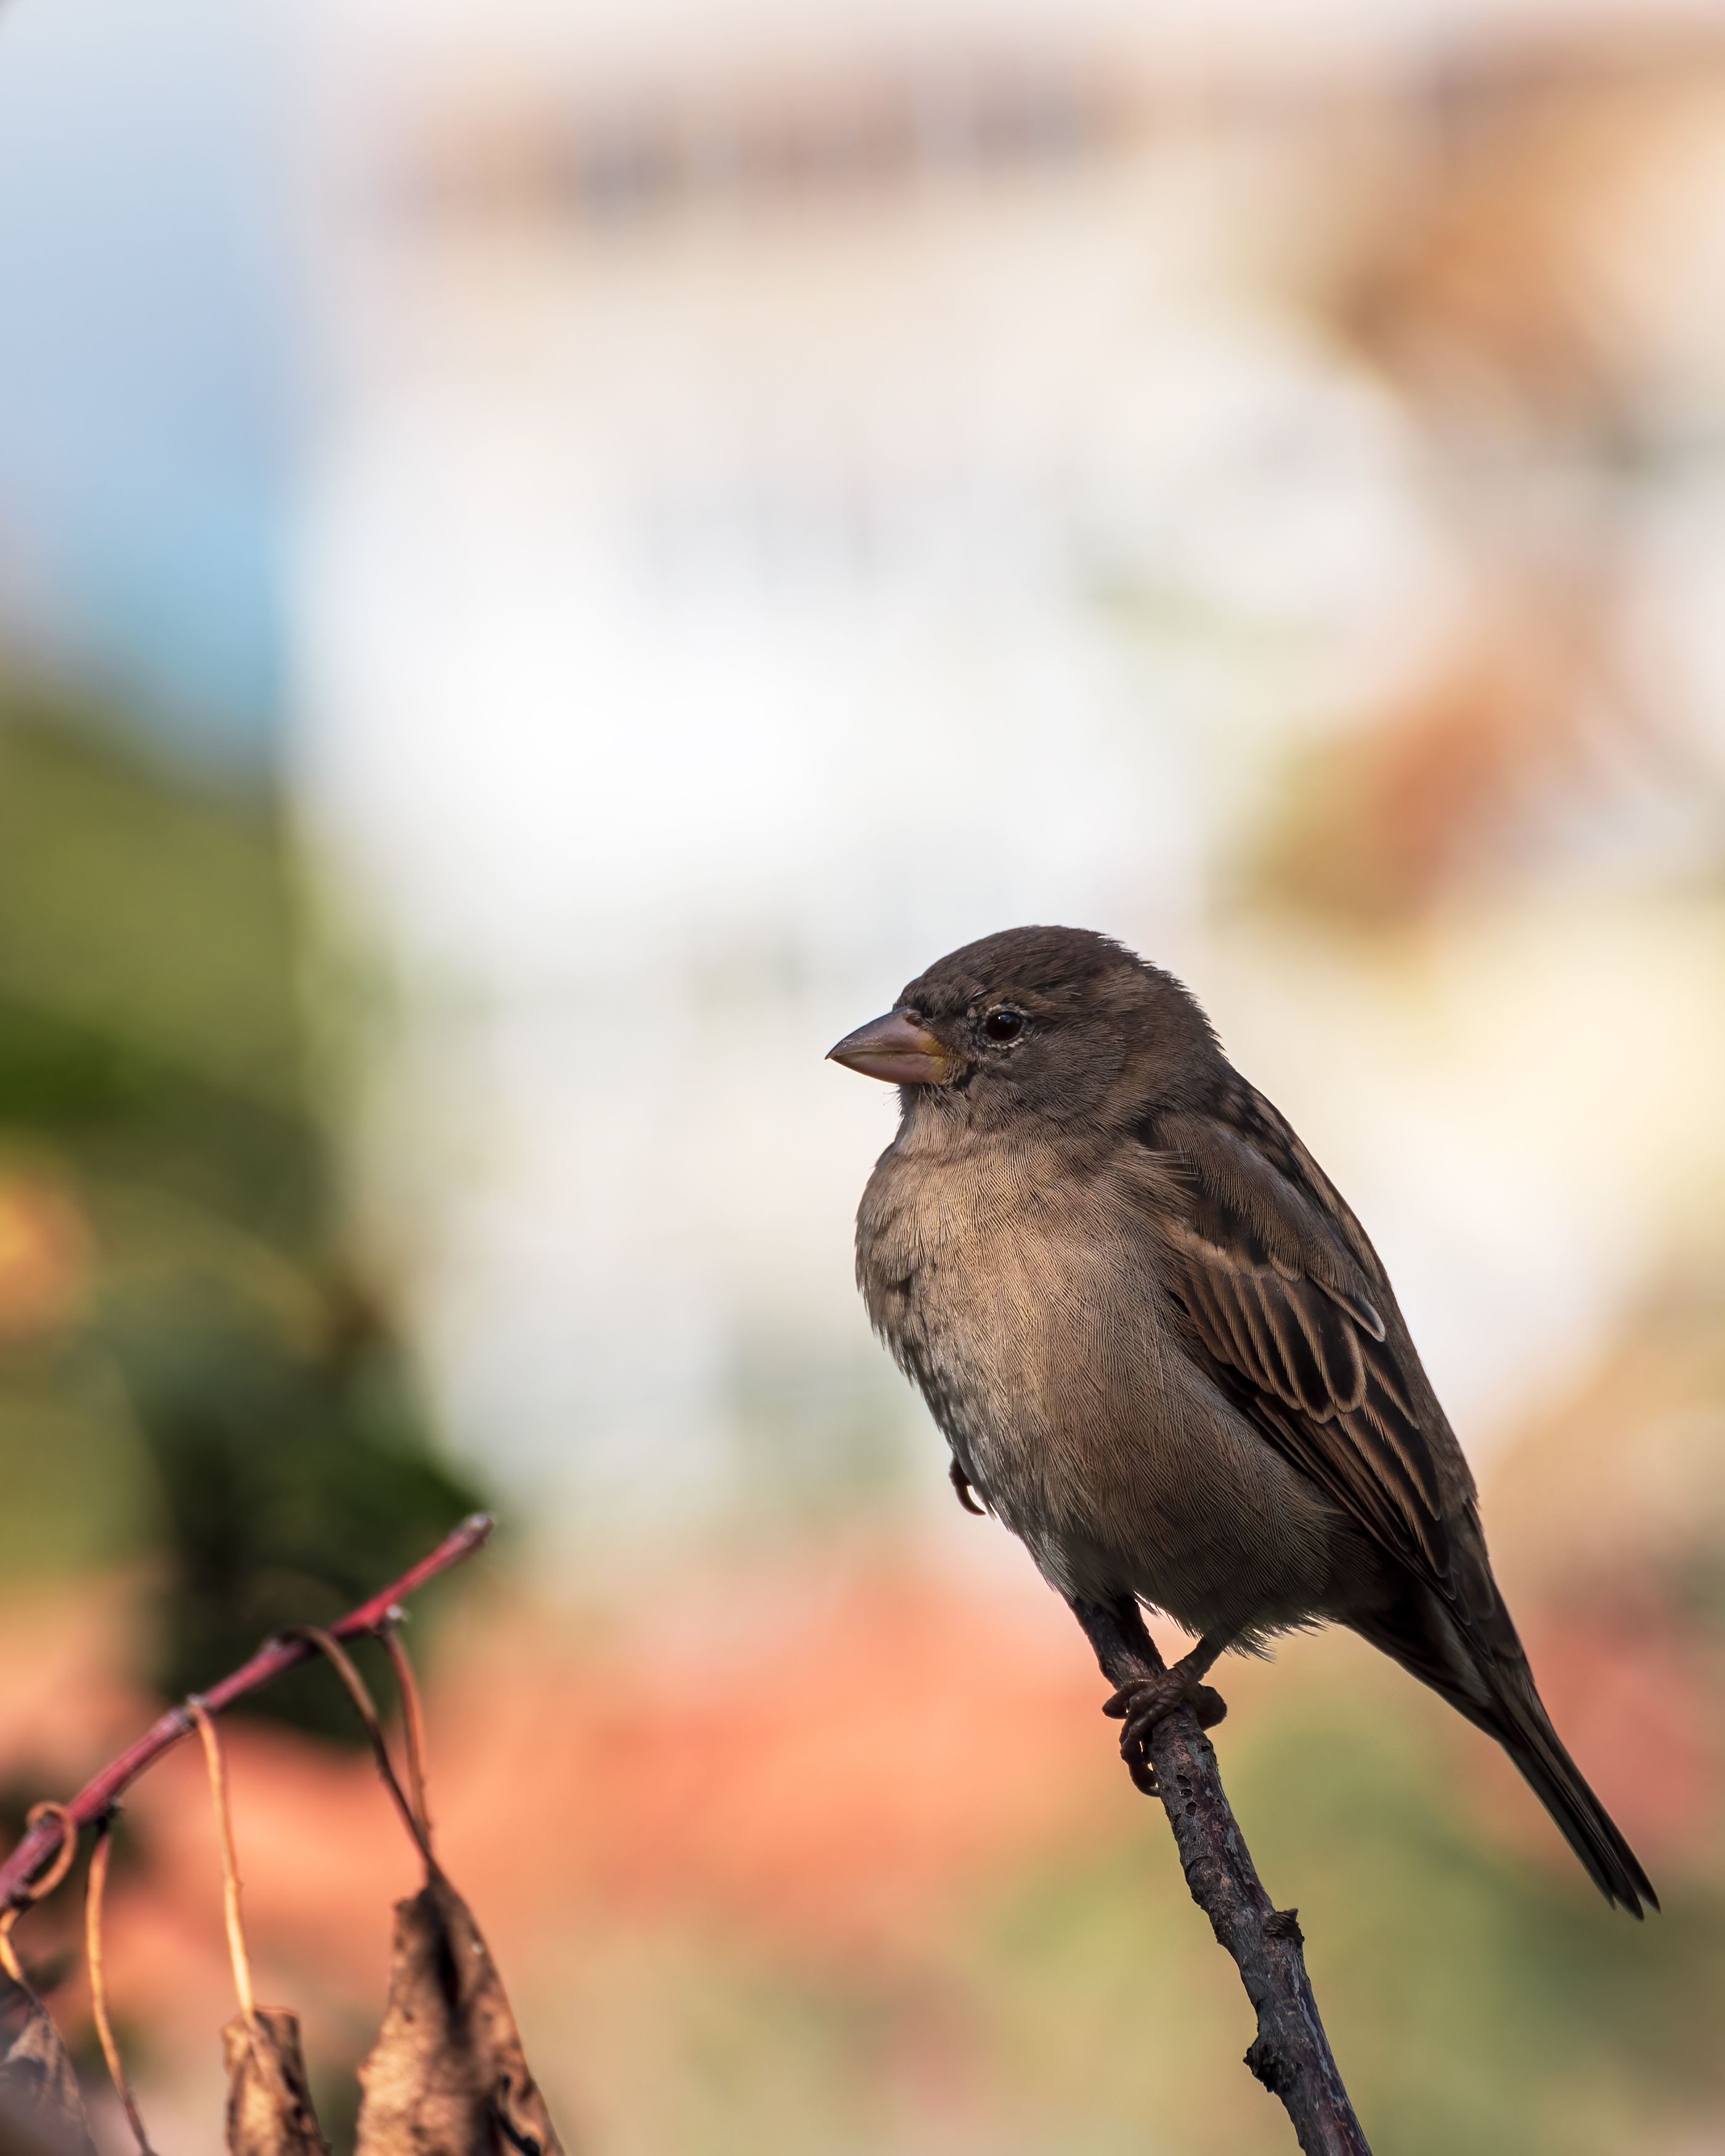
(553, 556)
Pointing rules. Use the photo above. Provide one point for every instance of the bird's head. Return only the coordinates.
(1059, 1024)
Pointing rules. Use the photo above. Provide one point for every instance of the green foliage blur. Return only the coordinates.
(192, 1381)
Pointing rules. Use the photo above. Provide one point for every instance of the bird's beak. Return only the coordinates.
(898, 1050)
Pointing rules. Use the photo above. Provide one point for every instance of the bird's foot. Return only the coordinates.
(1140, 1705)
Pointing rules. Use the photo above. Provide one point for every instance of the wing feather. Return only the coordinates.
(1285, 1300)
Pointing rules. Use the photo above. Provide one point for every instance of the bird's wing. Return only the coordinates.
(1286, 1304)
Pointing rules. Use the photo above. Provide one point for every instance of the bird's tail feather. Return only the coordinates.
(1493, 1687)
(1525, 1733)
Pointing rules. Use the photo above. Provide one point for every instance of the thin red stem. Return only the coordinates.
(275, 1659)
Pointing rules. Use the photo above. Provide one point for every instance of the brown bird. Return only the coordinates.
(1164, 1352)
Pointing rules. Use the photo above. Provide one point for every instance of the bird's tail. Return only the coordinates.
(1488, 1679)
(1521, 1724)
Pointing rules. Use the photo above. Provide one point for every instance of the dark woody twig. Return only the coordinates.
(96, 1799)
(1290, 2054)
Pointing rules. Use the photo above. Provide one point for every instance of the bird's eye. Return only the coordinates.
(1004, 1024)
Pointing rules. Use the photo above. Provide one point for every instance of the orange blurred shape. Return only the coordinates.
(1529, 242)
(827, 1766)
(45, 1256)
(1636, 1710)
(1450, 782)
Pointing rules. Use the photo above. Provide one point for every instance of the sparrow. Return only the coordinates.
(1165, 1355)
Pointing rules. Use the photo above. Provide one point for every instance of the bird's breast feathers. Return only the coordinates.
(991, 1255)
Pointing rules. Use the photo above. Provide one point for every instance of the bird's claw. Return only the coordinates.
(962, 1483)
(1144, 1701)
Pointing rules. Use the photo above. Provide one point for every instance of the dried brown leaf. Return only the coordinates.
(447, 2075)
(270, 2110)
(40, 2108)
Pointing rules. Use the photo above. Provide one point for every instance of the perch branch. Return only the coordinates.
(275, 1659)
(1290, 2054)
